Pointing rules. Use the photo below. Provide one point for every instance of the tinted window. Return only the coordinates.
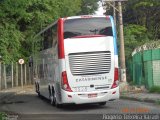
(47, 39)
(87, 26)
(54, 34)
(50, 37)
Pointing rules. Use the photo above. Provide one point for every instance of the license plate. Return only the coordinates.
(92, 95)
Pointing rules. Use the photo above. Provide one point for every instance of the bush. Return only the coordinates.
(3, 116)
(155, 89)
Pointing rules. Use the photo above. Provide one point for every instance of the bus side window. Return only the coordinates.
(47, 42)
(54, 34)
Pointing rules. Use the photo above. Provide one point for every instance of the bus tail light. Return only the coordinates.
(115, 83)
(65, 84)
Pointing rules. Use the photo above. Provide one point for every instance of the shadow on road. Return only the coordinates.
(74, 107)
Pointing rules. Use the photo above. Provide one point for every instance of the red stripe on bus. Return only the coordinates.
(60, 39)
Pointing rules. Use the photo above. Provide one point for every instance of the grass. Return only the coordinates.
(158, 102)
(2, 115)
(155, 89)
(132, 83)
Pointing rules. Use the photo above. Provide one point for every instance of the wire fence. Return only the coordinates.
(145, 68)
(14, 75)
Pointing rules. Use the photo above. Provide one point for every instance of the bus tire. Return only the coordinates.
(39, 95)
(102, 103)
(35, 87)
(55, 101)
(58, 105)
(37, 90)
(51, 92)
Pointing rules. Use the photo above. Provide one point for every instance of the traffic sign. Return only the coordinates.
(21, 61)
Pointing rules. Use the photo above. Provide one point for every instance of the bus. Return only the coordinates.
(76, 61)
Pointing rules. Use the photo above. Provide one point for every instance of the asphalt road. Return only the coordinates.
(28, 106)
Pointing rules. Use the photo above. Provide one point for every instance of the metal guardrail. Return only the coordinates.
(14, 75)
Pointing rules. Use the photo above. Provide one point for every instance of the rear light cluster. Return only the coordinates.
(115, 83)
(65, 84)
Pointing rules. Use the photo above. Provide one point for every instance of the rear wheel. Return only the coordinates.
(37, 89)
(51, 95)
(39, 95)
(52, 100)
(55, 101)
(58, 105)
(102, 103)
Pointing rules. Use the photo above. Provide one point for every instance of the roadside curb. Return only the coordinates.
(139, 99)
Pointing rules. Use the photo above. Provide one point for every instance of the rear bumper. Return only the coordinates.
(82, 97)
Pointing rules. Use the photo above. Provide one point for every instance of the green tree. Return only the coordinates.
(9, 43)
(88, 7)
(22, 19)
(135, 35)
(145, 13)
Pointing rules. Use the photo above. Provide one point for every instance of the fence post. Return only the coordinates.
(0, 77)
(29, 75)
(21, 76)
(35, 71)
(16, 74)
(12, 75)
(25, 79)
(5, 81)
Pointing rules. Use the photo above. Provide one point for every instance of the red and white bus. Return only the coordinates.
(76, 61)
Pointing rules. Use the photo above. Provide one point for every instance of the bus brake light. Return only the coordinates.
(65, 84)
(115, 83)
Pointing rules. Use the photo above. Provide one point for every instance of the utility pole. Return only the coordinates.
(122, 51)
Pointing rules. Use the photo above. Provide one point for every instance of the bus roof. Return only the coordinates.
(84, 16)
(71, 17)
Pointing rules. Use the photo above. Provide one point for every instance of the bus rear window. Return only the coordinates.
(87, 26)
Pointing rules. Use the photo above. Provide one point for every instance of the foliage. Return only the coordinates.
(141, 25)
(22, 19)
(141, 22)
(145, 13)
(135, 35)
(155, 89)
(10, 42)
(158, 102)
(88, 6)
(3, 116)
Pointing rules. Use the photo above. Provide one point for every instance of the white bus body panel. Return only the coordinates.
(82, 97)
(80, 84)
(89, 45)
